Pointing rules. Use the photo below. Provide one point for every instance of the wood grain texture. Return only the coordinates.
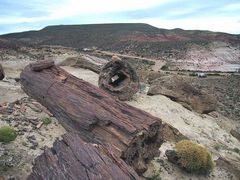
(95, 115)
(73, 159)
(38, 66)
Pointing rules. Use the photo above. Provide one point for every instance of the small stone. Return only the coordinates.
(24, 144)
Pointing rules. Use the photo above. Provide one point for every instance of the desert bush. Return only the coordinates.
(7, 134)
(193, 158)
(46, 120)
(192, 74)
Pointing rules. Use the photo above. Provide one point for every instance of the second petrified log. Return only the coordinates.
(120, 79)
(96, 115)
(2, 75)
(72, 158)
(92, 63)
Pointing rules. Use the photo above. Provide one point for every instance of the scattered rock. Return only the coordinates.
(180, 91)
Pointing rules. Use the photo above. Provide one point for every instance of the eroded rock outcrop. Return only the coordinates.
(184, 93)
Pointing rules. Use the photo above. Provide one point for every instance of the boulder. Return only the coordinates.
(2, 75)
(119, 79)
(184, 93)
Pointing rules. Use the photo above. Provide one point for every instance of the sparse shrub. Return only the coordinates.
(7, 134)
(194, 158)
(217, 147)
(192, 74)
(46, 120)
(164, 67)
(236, 150)
(154, 176)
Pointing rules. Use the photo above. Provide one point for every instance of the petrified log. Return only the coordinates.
(92, 63)
(72, 158)
(2, 75)
(179, 90)
(38, 66)
(119, 79)
(96, 115)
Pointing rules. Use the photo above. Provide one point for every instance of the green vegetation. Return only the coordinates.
(217, 147)
(46, 120)
(164, 67)
(236, 150)
(192, 74)
(194, 158)
(155, 176)
(7, 134)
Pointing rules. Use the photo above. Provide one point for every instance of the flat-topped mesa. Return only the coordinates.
(95, 115)
(2, 75)
(72, 158)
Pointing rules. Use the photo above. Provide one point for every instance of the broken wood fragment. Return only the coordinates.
(72, 158)
(40, 65)
(96, 115)
(84, 61)
(2, 75)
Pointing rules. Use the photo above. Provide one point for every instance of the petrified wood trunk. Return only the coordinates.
(96, 115)
(85, 61)
(72, 158)
(2, 75)
(119, 79)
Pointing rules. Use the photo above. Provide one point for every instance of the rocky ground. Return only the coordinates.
(25, 115)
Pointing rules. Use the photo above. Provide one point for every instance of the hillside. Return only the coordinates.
(182, 49)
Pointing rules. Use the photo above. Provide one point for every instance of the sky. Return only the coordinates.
(214, 15)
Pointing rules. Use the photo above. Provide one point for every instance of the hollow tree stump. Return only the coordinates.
(2, 75)
(96, 115)
(72, 158)
(119, 79)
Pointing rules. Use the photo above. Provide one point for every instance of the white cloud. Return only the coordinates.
(71, 8)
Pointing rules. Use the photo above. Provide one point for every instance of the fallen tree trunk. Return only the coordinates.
(92, 63)
(96, 115)
(2, 75)
(72, 158)
(119, 79)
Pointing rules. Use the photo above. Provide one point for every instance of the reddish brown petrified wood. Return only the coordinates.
(72, 158)
(38, 66)
(2, 75)
(95, 115)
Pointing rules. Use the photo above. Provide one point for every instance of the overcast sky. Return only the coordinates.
(214, 15)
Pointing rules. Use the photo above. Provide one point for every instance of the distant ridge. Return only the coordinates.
(138, 37)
